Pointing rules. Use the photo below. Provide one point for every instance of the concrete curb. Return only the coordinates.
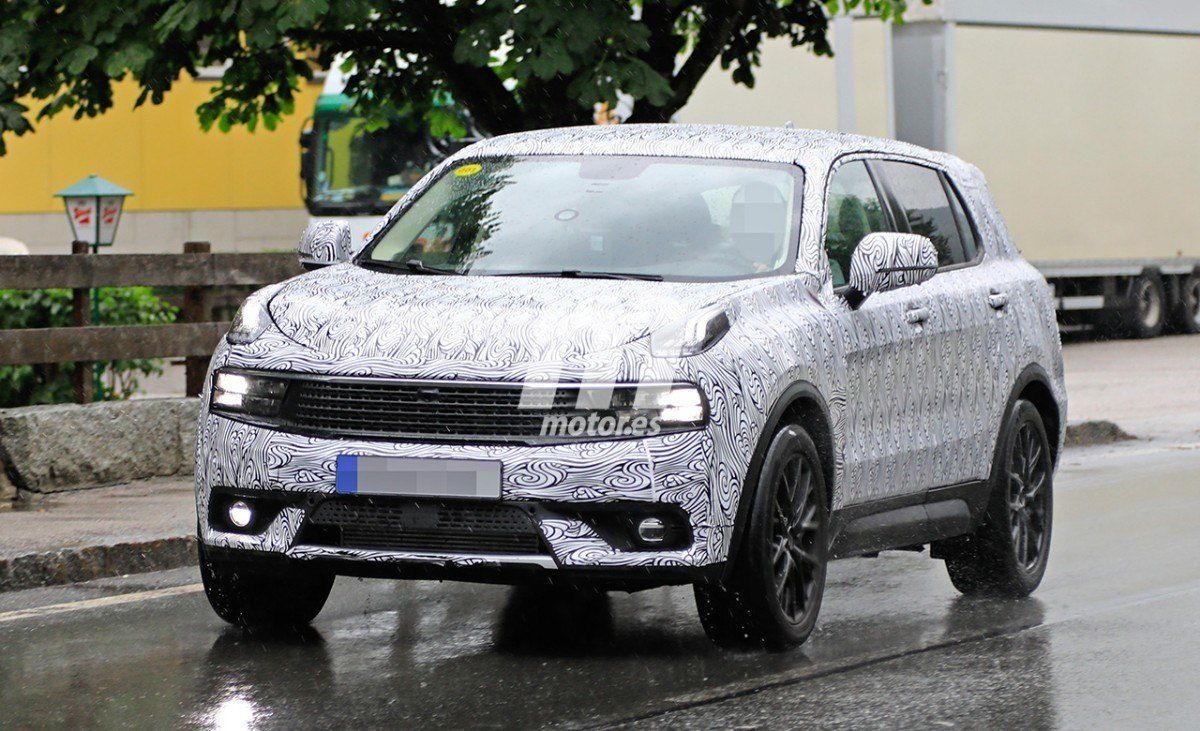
(71, 565)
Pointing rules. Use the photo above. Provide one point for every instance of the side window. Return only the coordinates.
(853, 211)
(921, 198)
(970, 245)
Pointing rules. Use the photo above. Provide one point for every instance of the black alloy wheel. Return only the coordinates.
(1028, 500)
(795, 531)
(772, 595)
(1007, 553)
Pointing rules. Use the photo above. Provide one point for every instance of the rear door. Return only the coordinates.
(964, 333)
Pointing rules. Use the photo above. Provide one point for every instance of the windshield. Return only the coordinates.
(655, 217)
(356, 170)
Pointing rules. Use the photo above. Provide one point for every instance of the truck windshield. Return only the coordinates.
(356, 171)
(645, 217)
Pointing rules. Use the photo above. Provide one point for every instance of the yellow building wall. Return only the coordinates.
(161, 154)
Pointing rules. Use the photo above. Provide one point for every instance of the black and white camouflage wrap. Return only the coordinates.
(324, 242)
(910, 407)
(885, 261)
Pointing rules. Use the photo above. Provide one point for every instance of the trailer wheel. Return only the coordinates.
(1146, 312)
(1188, 309)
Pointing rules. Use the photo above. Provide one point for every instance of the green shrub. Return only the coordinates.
(51, 383)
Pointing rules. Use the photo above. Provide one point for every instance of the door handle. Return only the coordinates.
(916, 315)
(997, 300)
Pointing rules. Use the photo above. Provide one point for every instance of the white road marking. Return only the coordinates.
(104, 601)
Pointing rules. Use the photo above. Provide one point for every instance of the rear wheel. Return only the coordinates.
(774, 595)
(1146, 313)
(261, 596)
(1188, 312)
(1007, 554)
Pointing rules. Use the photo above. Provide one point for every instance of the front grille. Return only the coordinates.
(418, 409)
(397, 524)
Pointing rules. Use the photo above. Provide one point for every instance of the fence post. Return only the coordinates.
(81, 316)
(196, 308)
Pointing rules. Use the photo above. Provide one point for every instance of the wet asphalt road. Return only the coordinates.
(1110, 640)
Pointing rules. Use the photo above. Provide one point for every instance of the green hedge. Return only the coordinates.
(51, 383)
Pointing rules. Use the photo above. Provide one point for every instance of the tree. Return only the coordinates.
(514, 64)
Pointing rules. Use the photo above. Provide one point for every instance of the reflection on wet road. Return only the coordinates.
(1105, 641)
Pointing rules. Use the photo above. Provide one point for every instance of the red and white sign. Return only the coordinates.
(82, 212)
(110, 214)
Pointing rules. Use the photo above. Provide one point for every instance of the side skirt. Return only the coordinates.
(908, 520)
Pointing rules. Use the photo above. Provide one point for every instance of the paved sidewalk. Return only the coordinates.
(106, 531)
(1149, 388)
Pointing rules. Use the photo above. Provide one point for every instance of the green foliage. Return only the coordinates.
(51, 383)
(514, 64)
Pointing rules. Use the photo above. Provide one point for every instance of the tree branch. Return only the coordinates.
(721, 20)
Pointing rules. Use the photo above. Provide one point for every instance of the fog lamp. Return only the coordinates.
(241, 515)
(652, 530)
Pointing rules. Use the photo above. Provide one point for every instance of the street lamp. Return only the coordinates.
(94, 209)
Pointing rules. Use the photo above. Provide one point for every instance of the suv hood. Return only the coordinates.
(351, 312)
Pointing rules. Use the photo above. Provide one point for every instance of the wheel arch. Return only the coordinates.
(800, 403)
(1033, 385)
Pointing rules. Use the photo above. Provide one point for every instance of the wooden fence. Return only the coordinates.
(193, 337)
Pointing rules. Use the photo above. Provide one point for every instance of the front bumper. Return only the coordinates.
(672, 470)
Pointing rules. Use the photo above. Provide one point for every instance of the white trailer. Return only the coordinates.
(1083, 115)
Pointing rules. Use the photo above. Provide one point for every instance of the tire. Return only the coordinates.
(1008, 552)
(773, 596)
(268, 597)
(1187, 314)
(1146, 314)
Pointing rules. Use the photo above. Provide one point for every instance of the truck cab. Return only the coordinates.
(352, 171)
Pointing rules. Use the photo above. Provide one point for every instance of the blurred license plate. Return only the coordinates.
(418, 476)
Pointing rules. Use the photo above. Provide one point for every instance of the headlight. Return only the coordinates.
(675, 405)
(250, 321)
(670, 405)
(690, 336)
(240, 392)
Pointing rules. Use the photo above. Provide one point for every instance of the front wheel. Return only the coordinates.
(1007, 554)
(774, 594)
(253, 596)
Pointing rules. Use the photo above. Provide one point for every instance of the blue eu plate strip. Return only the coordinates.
(347, 473)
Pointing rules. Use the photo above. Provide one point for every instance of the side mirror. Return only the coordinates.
(885, 261)
(324, 243)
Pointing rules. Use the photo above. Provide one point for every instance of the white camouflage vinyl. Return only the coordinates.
(911, 406)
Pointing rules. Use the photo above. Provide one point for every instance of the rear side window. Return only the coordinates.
(924, 208)
(965, 229)
(854, 210)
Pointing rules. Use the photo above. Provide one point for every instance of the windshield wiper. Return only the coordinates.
(581, 274)
(416, 265)
(412, 265)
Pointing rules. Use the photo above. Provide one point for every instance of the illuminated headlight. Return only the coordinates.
(250, 321)
(671, 405)
(690, 336)
(247, 393)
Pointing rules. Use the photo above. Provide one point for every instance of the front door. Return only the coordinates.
(888, 430)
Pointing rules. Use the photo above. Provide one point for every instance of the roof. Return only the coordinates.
(768, 144)
(93, 185)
